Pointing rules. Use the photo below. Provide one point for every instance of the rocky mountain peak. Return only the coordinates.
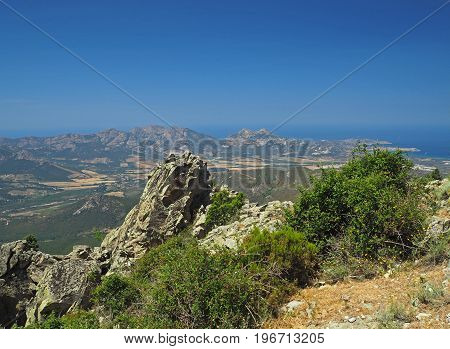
(175, 191)
(246, 133)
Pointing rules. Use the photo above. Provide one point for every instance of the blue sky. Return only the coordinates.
(223, 64)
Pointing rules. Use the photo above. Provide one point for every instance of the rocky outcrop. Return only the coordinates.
(21, 269)
(34, 284)
(174, 193)
(269, 216)
(65, 285)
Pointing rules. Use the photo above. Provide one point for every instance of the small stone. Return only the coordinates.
(388, 274)
(406, 325)
(367, 306)
(291, 306)
(448, 318)
(415, 302)
(345, 297)
(422, 316)
(352, 320)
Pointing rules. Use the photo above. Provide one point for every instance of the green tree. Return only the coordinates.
(31, 242)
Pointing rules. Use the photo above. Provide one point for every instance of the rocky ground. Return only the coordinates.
(365, 304)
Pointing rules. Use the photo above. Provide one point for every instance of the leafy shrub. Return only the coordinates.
(286, 249)
(51, 321)
(115, 293)
(340, 263)
(31, 242)
(436, 250)
(370, 200)
(99, 235)
(436, 175)
(394, 316)
(443, 191)
(81, 319)
(223, 208)
(184, 286)
(427, 293)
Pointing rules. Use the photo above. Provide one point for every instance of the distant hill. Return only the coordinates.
(112, 144)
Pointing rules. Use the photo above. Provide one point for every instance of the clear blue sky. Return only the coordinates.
(222, 64)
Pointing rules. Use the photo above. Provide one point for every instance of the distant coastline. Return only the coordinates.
(417, 141)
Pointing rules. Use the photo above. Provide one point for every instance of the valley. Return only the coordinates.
(63, 189)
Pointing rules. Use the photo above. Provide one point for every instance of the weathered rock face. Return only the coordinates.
(65, 285)
(174, 193)
(21, 269)
(269, 216)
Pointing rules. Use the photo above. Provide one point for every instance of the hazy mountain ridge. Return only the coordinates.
(114, 143)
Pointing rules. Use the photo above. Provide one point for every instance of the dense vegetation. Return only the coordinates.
(224, 207)
(355, 220)
(371, 206)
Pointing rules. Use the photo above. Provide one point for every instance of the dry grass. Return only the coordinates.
(331, 303)
(85, 180)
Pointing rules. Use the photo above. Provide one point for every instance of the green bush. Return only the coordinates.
(436, 250)
(31, 242)
(427, 293)
(340, 263)
(436, 175)
(99, 235)
(51, 321)
(394, 316)
(115, 293)
(224, 207)
(370, 201)
(287, 249)
(81, 319)
(184, 286)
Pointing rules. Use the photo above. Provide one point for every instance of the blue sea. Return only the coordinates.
(433, 141)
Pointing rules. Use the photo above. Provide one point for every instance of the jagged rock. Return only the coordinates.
(173, 195)
(21, 269)
(269, 216)
(65, 285)
(80, 252)
(438, 226)
(199, 229)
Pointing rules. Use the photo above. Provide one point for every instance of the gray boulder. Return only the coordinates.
(21, 269)
(269, 216)
(65, 285)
